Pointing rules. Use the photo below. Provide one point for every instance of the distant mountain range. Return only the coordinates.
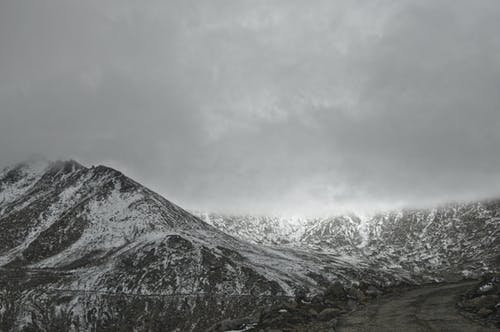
(441, 243)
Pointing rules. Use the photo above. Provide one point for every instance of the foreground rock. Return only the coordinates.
(320, 312)
(426, 308)
(483, 300)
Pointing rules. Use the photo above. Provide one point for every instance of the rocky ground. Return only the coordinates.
(320, 312)
(482, 303)
(365, 308)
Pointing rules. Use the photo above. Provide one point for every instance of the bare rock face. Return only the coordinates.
(329, 314)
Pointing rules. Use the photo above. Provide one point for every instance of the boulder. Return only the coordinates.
(484, 301)
(313, 312)
(371, 291)
(318, 298)
(356, 294)
(351, 304)
(484, 312)
(487, 288)
(332, 323)
(329, 314)
(291, 305)
(335, 292)
(229, 324)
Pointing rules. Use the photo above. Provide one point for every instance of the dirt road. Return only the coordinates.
(430, 308)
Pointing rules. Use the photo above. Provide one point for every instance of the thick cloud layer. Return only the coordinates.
(303, 107)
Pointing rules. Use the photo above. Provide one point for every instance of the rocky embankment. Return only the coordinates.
(363, 307)
(482, 303)
(320, 312)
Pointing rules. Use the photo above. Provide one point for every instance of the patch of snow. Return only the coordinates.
(31, 173)
(486, 288)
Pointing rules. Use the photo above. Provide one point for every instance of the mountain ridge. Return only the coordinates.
(420, 241)
(77, 236)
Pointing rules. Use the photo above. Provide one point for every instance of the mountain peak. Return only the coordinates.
(103, 170)
(70, 164)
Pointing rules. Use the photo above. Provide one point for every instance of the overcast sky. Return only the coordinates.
(296, 107)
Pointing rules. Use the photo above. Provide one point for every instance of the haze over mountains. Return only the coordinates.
(261, 106)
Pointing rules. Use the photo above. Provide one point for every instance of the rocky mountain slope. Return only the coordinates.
(435, 244)
(91, 249)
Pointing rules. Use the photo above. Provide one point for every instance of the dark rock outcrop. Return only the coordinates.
(483, 301)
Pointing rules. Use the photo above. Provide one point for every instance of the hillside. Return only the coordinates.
(90, 246)
(444, 243)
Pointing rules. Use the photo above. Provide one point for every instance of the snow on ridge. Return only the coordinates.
(46, 219)
(112, 223)
(30, 173)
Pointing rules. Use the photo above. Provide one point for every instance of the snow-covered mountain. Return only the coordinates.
(453, 238)
(440, 243)
(258, 229)
(88, 248)
(88, 244)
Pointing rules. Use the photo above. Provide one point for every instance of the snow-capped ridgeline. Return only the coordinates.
(439, 242)
(16, 180)
(349, 231)
(258, 229)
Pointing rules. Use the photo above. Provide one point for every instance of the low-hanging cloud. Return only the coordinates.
(261, 106)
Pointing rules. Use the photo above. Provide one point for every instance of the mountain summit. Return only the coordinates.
(79, 238)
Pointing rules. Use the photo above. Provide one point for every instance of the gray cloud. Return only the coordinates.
(261, 106)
